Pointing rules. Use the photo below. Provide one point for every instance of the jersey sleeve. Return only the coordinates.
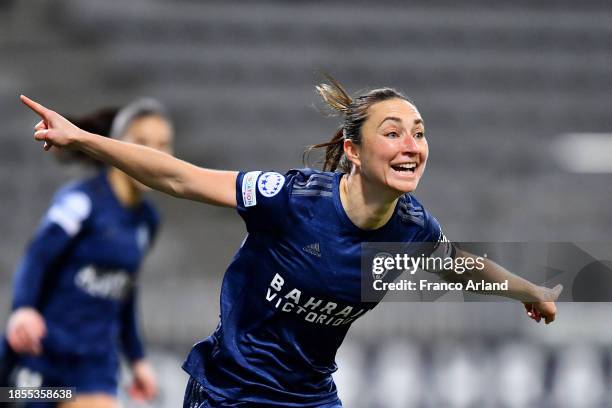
(69, 211)
(432, 230)
(262, 198)
(131, 342)
(59, 226)
(441, 247)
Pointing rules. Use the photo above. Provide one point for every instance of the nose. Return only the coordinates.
(409, 144)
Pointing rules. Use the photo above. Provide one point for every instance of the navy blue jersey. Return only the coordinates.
(80, 269)
(293, 289)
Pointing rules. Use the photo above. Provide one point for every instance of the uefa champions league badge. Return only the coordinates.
(270, 184)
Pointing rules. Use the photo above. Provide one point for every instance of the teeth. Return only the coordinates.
(406, 165)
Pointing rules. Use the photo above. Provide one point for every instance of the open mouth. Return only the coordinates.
(405, 167)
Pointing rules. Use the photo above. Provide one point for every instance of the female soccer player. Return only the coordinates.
(293, 288)
(74, 304)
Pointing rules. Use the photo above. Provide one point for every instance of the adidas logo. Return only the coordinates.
(313, 249)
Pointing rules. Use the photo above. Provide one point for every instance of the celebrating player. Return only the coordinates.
(293, 289)
(74, 305)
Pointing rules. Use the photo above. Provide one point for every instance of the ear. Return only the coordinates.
(352, 152)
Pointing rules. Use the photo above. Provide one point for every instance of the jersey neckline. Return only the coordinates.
(343, 216)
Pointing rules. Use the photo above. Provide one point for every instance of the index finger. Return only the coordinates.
(35, 106)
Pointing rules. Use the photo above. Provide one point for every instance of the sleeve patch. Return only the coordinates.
(70, 211)
(249, 182)
(270, 184)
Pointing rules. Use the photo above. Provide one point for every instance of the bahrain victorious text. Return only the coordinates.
(309, 308)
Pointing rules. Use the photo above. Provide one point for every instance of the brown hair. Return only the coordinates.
(99, 122)
(354, 113)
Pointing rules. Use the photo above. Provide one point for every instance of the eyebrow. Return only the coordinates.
(417, 121)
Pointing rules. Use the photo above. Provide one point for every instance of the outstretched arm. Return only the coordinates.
(539, 301)
(156, 169)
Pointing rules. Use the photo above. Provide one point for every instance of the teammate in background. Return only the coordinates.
(294, 287)
(75, 291)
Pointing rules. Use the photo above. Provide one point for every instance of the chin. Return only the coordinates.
(407, 187)
(403, 186)
(403, 182)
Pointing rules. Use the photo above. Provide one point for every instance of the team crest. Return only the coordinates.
(270, 184)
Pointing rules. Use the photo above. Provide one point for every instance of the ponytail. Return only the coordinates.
(334, 95)
(334, 151)
(338, 100)
(353, 112)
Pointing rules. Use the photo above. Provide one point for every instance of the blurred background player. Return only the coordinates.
(294, 287)
(75, 290)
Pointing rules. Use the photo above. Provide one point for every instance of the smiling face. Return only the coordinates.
(393, 149)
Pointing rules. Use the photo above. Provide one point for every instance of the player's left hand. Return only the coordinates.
(546, 308)
(144, 387)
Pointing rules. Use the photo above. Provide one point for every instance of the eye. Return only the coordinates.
(419, 135)
(392, 135)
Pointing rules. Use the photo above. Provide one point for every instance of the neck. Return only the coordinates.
(123, 187)
(366, 205)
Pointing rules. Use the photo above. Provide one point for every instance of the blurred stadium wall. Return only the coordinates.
(497, 83)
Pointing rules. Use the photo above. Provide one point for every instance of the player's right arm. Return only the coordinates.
(26, 327)
(61, 224)
(157, 170)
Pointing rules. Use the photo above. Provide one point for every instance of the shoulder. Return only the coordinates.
(265, 199)
(269, 182)
(271, 186)
(310, 182)
(76, 196)
(411, 211)
(71, 206)
(87, 189)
